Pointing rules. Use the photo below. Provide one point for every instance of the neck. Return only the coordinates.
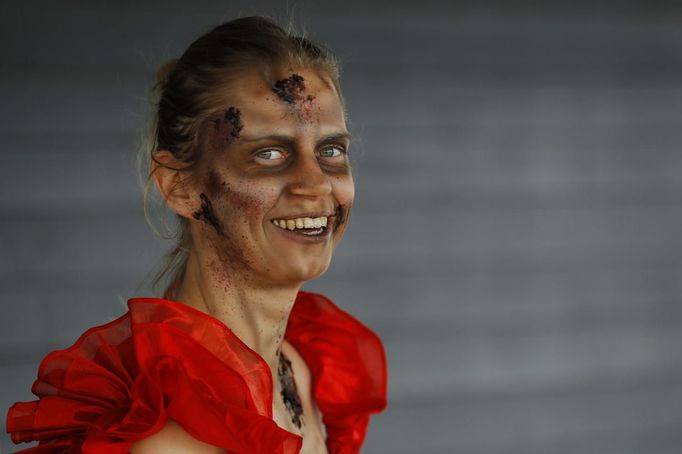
(255, 312)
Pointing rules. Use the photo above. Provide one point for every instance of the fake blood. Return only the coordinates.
(290, 89)
(234, 117)
(214, 183)
(227, 128)
(289, 392)
(206, 214)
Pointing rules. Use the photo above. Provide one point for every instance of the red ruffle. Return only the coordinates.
(348, 365)
(120, 382)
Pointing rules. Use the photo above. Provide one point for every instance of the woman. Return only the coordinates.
(250, 150)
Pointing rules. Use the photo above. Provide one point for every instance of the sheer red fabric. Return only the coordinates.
(121, 381)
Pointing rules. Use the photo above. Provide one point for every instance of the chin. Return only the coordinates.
(306, 273)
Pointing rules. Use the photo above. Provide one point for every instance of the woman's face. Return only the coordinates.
(274, 189)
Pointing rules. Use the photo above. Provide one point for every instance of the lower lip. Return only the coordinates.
(307, 239)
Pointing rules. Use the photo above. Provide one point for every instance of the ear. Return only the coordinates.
(174, 185)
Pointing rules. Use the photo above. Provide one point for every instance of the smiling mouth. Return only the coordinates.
(304, 226)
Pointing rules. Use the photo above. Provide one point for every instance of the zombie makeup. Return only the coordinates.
(226, 128)
(233, 117)
(289, 392)
(341, 215)
(213, 183)
(291, 91)
(245, 193)
(306, 108)
(206, 214)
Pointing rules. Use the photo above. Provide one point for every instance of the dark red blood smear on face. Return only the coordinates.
(289, 90)
(233, 117)
(213, 183)
(226, 128)
(207, 215)
(307, 108)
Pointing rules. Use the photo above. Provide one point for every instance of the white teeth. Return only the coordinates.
(301, 223)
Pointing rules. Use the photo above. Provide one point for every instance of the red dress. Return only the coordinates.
(120, 382)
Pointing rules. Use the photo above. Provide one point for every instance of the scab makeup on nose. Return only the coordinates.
(206, 214)
(227, 128)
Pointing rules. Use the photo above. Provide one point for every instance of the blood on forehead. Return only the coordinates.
(291, 91)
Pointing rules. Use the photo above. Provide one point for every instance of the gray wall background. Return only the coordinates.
(516, 238)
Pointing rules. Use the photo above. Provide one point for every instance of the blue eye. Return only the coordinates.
(270, 154)
(332, 152)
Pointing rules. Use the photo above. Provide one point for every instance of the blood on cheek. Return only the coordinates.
(206, 214)
(230, 211)
(214, 184)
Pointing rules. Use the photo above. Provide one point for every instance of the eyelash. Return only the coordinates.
(341, 149)
(268, 150)
(334, 147)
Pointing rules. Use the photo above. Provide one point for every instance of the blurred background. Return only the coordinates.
(516, 235)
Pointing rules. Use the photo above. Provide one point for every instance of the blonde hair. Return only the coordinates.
(185, 96)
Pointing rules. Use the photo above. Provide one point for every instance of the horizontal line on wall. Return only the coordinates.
(478, 200)
(370, 273)
(462, 73)
(449, 328)
(656, 381)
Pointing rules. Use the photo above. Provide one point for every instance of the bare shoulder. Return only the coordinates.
(173, 439)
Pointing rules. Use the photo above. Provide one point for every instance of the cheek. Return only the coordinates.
(344, 189)
(244, 204)
(344, 192)
(239, 201)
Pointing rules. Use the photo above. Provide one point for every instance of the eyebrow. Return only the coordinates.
(291, 139)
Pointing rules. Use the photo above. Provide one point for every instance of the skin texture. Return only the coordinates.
(289, 159)
(226, 128)
(291, 89)
(233, 117)
(289, 391)
(206, 214)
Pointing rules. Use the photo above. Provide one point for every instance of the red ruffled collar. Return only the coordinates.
(121, 381)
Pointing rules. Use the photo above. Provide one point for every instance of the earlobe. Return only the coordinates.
(172, 182)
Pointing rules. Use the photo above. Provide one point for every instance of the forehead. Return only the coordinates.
(288, 100)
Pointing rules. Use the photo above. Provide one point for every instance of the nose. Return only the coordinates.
(308, 178)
